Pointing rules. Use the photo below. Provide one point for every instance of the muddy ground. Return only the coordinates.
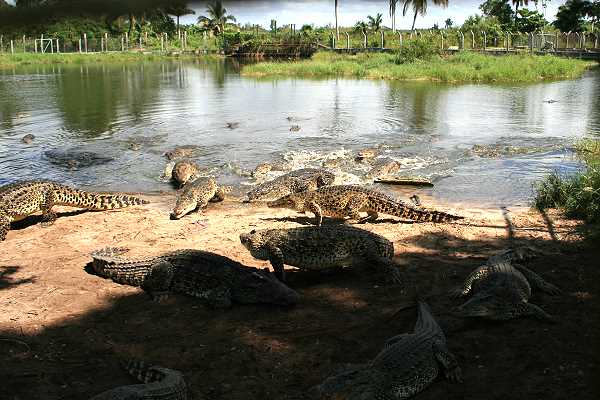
(64, 331)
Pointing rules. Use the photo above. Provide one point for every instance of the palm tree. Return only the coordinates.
(178, 9)
(393, 4)
(448, 23)
(337, 29)
(375, 23)
(519, 3)
(420, 7)
(361, 26)
(217, 18)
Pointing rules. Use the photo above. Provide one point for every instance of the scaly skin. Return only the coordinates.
(196, 195)
(215, 279)
(185, 171)
(158, 384)
(350, 200)
(21, 199)
(293, 182)
(408, 364)
(321, 249)
(501, 290)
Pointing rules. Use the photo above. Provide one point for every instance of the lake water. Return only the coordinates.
(430, 128)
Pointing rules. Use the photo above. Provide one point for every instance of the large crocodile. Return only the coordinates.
(196, 195)
(185, 171)
(292, 182)
(216, 279)
(408, 364)
(350, 200)
(501, 289)
(21, 199)
(158, 384)
(321, 248)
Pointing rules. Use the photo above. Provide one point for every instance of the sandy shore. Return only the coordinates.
(62, 330)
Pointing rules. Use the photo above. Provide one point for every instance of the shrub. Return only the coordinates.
(417, 49)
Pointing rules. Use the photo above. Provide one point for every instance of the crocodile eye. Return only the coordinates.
(253, 231)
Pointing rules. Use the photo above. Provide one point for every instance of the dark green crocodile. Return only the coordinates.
(408, 363)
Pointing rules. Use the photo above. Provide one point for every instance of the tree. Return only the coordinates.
(570, 16)
(393, 4)
(500, 9)
(216, 19)
(361, 26)
(448, 23)
(530, 21)
(375, 22)
(179, 8)
(337, 29)
(420, 7)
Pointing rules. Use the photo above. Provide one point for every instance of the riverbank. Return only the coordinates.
(19, 59)
(462, 67)
(63, 330)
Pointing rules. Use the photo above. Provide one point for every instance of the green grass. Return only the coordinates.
(577, 195)
(462, 67)
(13, 60)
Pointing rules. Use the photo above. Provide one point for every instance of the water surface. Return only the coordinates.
(430, 128)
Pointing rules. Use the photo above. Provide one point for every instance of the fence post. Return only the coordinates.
(400, 37)
(106, 41)
(140, 42)
(568, 34)
(24, 47)
(122, 43)
(484, 40)
(85, 44)
(127, 40)
(583, 40)
(102, 44)
(462, 40)
(79, 45)
(595, 41)
(472, 40)
(57, 46)
(184, 39)
(530, 40)
(507, 41)
(364, 40)
(442, 37)
(347, 40)
(12, 48)
(162, 42)
(382, 40)
(1, 43)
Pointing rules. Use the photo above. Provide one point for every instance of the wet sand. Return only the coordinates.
(63, 331)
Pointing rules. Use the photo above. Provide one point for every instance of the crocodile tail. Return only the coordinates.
(402, 210)
(143, 371)
(94, 201)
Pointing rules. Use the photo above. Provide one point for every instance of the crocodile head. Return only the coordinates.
(261, 286)
(184, 171)
(325, 178)
(255, 241)
(186, 203)
(292, 201)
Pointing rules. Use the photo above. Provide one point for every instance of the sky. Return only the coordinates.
(321, 12)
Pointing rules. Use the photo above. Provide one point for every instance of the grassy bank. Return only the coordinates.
(578, 195)
(462, 67)
(14, 60)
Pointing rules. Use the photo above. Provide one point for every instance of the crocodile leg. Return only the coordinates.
(158, 282)
(473, 277)
(219, 195)
(448, 361)
(534, 311)
(537, 281)
(48, 216)
(372, 216)
(388, 267)
(315, 209)
(354, 205)
(4, 226)
(276, 259)
(395, 339)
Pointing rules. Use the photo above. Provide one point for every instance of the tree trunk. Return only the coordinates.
(131, 23)
(414, 20)
(178, 23)
(337, 29)
(394, 21)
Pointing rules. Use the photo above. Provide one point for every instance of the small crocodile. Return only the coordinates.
(501, 289)
(321, 248)
(216, 279)
(408, 364)
(196, 195)
(21, 199)
(350, 200)
(185, 171)
(292, 182)
(158, 384)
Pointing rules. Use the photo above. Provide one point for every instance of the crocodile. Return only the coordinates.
(215, 279)
(501, 289)
(350, 200)
(292, 182)
(23, 198)
(158, 383)
(407, 364)
(321, 249)
(185, 171)
(196, 195)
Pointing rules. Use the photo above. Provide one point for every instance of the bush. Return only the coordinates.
(578, 195)
(417, 49)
